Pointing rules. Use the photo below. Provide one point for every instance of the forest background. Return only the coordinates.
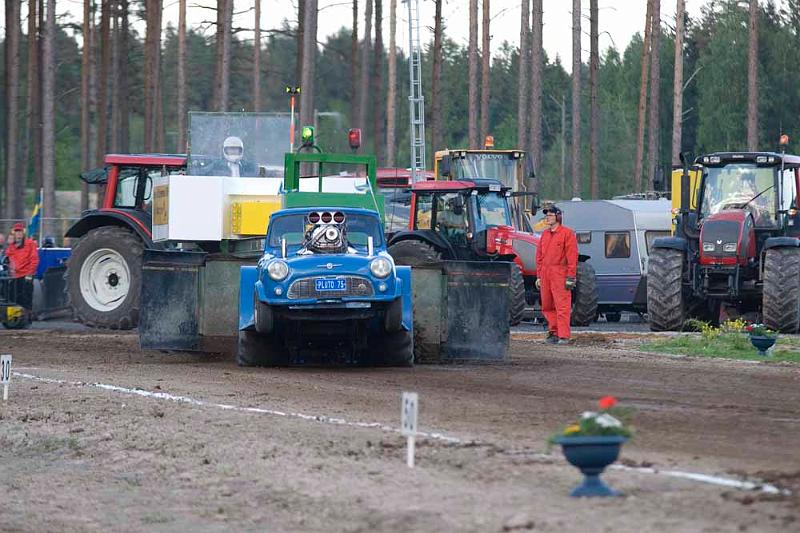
(604, 129)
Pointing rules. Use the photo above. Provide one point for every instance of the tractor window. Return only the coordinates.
(498, 165)
(789, 192)
(492, 211)
(618, 244)
(741, 186)
(424, 215)
(126, 187)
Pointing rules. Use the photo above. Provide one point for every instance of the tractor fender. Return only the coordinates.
(582, 258)
(674, 243)
(427, 236)
(781, 242)
(119, 218)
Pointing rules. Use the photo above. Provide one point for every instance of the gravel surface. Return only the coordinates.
(317, 449)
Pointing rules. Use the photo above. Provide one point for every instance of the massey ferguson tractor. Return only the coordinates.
(473, 220)
(740, 245)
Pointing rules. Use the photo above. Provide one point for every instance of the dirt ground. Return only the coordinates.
(317, 449)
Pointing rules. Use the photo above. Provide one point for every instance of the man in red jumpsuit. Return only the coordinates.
(556, 267)
(23, 258)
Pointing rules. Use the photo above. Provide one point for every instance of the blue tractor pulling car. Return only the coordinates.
(325, 290)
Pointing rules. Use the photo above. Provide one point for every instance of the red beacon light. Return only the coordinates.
(354, 138)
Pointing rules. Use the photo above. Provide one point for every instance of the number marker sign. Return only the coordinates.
(408, 423)
(5, 373)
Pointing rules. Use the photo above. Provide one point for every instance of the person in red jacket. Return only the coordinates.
(23, 258)
(556, 268)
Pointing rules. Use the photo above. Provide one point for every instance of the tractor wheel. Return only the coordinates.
(781, 298)
(255, 349)
(395, 349)
(262, 316)
(516, 297)
(413, 253)
(584, 296)
(666, 308)
(104, 278)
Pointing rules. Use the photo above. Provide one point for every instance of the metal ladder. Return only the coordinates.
(416, 100)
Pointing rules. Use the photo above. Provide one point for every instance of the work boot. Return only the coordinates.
(551, 338)
(562, 341)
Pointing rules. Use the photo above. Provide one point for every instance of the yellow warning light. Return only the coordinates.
(489, 142)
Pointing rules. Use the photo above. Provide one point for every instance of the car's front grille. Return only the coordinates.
(304, 288)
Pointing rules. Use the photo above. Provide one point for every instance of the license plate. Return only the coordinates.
(330, 284)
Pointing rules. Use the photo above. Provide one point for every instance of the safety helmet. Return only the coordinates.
(553, 208)
(233, 149)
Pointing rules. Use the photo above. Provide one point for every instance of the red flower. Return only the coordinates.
(749, 328)
(607, 402)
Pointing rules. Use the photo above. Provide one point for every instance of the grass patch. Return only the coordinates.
(725, 345)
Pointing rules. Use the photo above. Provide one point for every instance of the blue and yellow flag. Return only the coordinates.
(36, 216)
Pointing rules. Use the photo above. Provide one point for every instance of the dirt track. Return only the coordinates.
(76, 457)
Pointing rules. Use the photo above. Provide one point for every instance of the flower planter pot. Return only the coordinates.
(591, 455)
(762, 343)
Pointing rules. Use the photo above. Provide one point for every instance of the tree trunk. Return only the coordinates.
(309, 64)
(102, 89)
(436, 80)
(537, 62)
(113, 146)
(486, 50)
(473, 109)
(48, 111)
(637, 165)
(225, 56)
(354, 68)
(122, 86)
(752, 78)
(677, 83)
(391, 98)
(152, 56)
(301, 25)
(86, 111)
(34, 94)
(522, 78)
(378, 103)
(181, 138)
(654, 128)
(257, 59)
(576, 97)
(594, 66)
(363, 89)
(13, 210)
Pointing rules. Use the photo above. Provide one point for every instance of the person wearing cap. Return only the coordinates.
(23, 258)
(556, 268)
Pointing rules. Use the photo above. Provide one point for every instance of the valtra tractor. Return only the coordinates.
(739, 247)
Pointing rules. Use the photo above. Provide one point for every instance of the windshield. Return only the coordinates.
(293, 229)
(500, 166)
(741, 186)
(237, 144)
(492, 211)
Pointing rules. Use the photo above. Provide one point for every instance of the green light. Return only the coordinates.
(307, 135)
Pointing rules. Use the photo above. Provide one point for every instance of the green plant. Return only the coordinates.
(760, 330)
(608, 421)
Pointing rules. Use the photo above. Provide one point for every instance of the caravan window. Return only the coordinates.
(650, 236)
(618, 244)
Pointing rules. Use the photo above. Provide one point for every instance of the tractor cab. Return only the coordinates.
(512, 168)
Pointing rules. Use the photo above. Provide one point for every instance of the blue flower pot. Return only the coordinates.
(762, 343)
(591, 455)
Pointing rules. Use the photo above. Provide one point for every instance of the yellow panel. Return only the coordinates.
(251, 217)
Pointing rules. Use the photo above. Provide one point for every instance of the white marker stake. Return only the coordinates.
(5, 373)
(408, 424)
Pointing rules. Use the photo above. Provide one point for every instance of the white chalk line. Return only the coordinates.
(702, 478)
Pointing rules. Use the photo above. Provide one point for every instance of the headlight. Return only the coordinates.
(729, 247)
(708, 246)
(380, 267)
(278, 270)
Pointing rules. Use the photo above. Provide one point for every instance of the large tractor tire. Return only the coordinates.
(254, 349)
(781, 298)
(666, 308)
(104, 278)
(393, 349)
(516, 297)
(584, 296)
(413, 253)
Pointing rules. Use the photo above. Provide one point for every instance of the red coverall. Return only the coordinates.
(556, 260)
(24, 259)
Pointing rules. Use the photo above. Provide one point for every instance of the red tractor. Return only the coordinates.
(472, 220)
(739, 247)
(104, 270)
